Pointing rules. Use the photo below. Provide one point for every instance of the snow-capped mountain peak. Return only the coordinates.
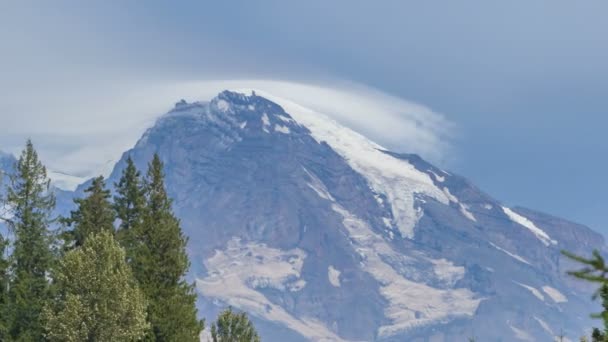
(322, 234)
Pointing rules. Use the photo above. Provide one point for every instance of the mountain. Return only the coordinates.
(6, 161)
(321, 234)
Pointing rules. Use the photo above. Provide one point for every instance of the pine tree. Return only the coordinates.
(129, 204)
(3, 287)
(97, 296)
(595, 271)
(160, 263)
(31, 203)
(233, 327)
(93, 215)
(4, 264)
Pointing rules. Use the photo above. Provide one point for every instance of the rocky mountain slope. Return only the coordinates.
(321, 234)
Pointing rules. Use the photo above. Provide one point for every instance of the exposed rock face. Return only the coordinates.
(320, 234)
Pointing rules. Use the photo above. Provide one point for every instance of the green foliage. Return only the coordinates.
(595, 271)
(4, 282)
(93, 215)
(98, 298)
(160, 263)
(129, 205)
(598, 336)
(233, 327)
(100, 291)
(31, 204)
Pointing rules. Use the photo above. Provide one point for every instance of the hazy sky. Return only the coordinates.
(518, 89)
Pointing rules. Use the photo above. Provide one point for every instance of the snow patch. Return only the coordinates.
(285, 119)
(410, 304)
(545, 326)
(243, 124)
(223, 105)
(557, 296)
(317, 185)
(488, 206)
(534, 290)
(521, 334)
(464, 209)
(265, 122)
(447, 272)
(449, 195)
(282, 129)
(235, 274)
(525, 222)
(334, 276)
(396, 179)
(439, 178)
(517, 257)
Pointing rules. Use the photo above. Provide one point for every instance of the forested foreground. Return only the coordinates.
(113, 270)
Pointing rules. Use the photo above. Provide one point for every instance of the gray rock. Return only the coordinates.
(284, 226)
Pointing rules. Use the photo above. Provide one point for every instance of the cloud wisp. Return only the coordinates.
(82, 136)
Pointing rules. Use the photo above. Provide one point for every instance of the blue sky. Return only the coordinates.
(525, 83)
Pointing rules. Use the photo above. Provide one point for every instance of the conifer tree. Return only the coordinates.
(595, 271)
(233, 327)
(4, 280)
(3, 287)
(129, 205)
(97, 298)
(160, 264)
(93, 215)
(31, 203)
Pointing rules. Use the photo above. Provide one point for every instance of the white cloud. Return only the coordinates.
(79, 131)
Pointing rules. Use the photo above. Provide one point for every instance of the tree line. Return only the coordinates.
(114, 270)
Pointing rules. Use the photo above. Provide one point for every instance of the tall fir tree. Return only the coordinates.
(93, 215)
(97, 298)
(31, 203)
(3, 287)
(4, 280)
(129, 204)
(160, 264)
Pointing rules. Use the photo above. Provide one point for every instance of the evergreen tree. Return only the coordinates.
(129, 204)
(31, 204)
(595, 271)
(160, 263)
(3, 287)
(97, 298)
(4, 280)
(233, 327)
(94, 214)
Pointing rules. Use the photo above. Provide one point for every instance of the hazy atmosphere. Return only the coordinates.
(302, 171)
(514, 95)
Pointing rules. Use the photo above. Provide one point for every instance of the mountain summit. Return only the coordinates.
(321, 234)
